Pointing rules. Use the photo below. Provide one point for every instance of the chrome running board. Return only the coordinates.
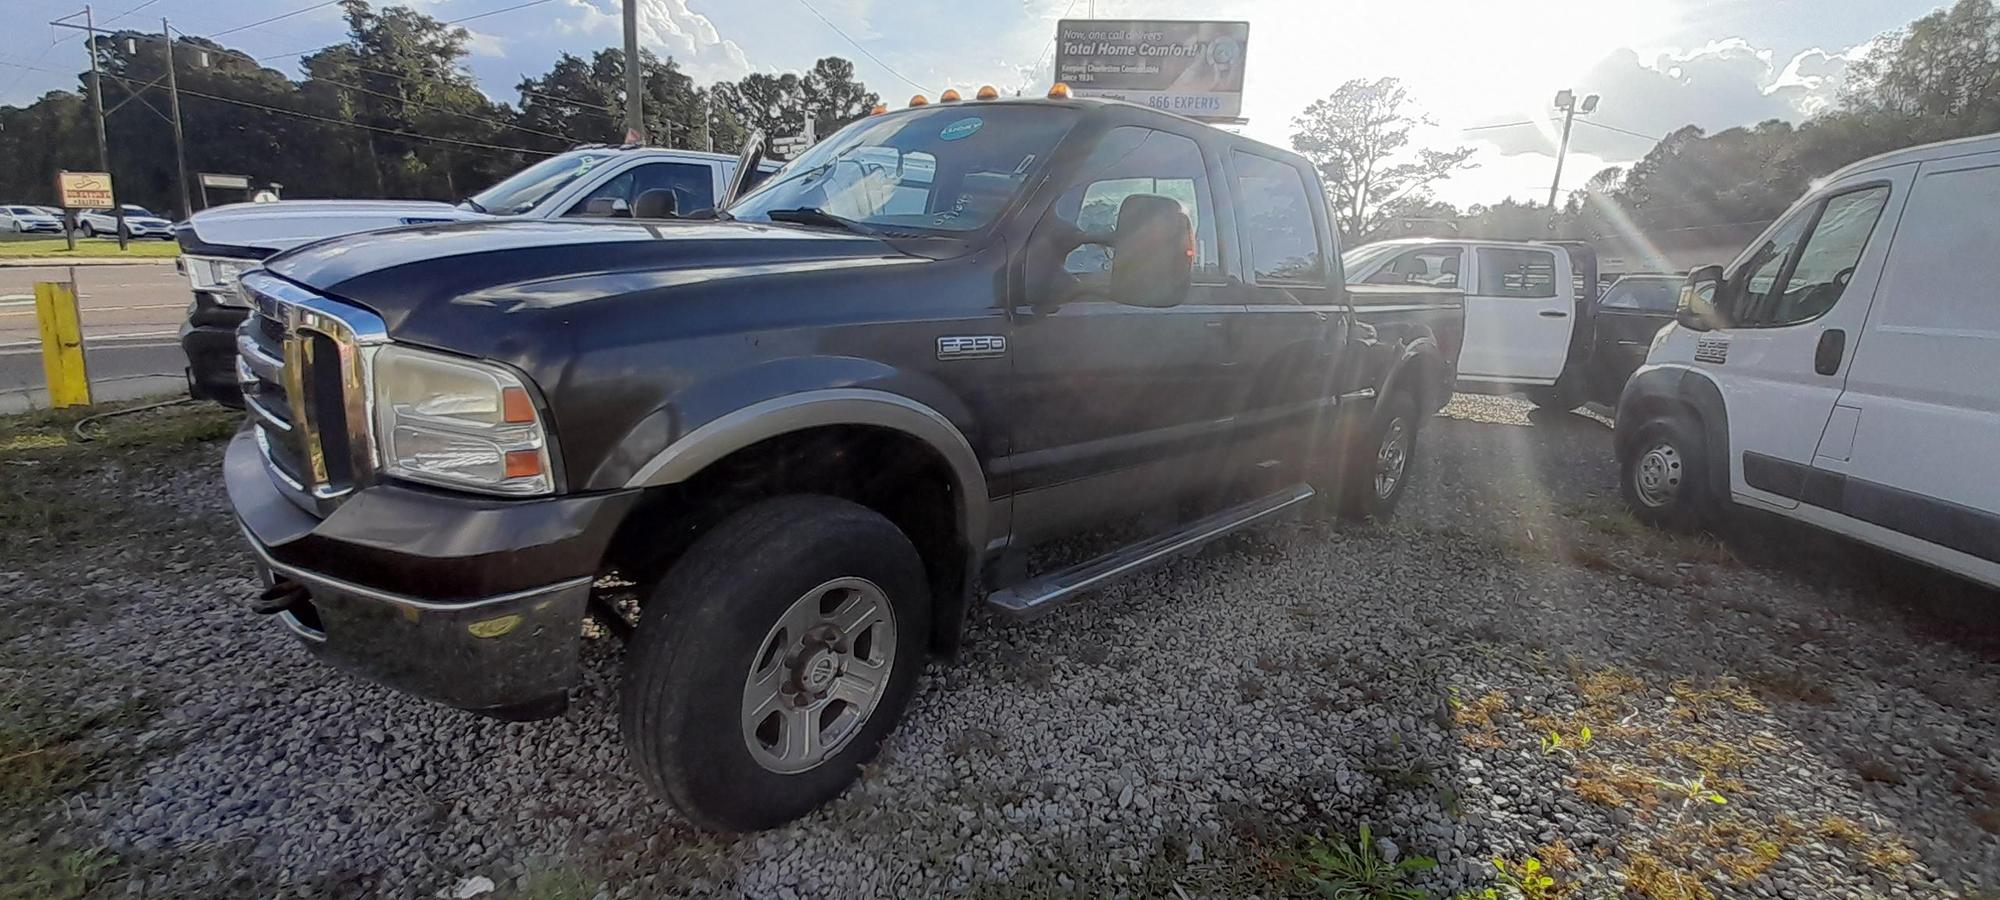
(1039, 595)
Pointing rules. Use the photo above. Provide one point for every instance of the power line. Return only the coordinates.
(496, 12)
(31, 65)
(857, 46)
(1052, 41)
(130, 11)
(389, 131)
(1500, 125)
(1635, 134)
(299, 11)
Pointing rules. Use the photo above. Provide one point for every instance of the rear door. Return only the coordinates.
(1519, 309)
(1911, 444)
(1793, 303)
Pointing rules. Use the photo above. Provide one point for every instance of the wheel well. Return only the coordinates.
(888, 471)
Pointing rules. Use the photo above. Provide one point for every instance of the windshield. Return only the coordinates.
(1362, 257)
(131, 210)
(1650, 294)
(523, 190)
(946, 169)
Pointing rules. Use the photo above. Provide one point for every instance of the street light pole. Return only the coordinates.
(97, 103)
(1566, 101)
(635, 120)
(174, 106)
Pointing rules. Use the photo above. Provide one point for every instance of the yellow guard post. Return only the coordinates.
(62, 344)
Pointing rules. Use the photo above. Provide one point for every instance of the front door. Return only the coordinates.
(1115, 407)
(1519, 310)
(1801, 291)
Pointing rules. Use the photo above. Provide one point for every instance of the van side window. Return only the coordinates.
(1275, 217)
(1800, 273)
(1946, 259)
(1132, 160)
(1508, 272)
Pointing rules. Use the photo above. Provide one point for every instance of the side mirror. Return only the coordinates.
(607, 208)
(1152, 258)
(1696, 310)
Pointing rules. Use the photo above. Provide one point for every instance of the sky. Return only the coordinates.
(1657, 64)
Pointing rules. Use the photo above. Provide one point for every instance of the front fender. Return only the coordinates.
(1659, 390)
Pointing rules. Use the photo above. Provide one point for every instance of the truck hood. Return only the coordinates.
(270, 227)
(447, 285)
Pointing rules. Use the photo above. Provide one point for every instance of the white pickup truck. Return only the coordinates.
(1530, 311)
(219, 244)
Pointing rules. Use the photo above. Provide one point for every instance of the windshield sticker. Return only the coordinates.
(961, 129)
(1022, 169)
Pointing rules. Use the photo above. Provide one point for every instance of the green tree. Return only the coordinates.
(1359, 137)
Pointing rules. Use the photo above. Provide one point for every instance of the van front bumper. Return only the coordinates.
(469, 602)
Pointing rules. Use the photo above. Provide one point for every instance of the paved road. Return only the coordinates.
(130, 317)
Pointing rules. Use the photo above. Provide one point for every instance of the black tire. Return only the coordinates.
(1663, 478)
(1360, 494)
(88, 231)
(705, 625)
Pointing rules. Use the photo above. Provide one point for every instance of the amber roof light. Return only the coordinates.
(949, 96)
(1059, 91)
(986, 92)
(879, 109)
(918, 100)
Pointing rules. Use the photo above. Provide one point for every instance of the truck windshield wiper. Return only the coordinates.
(473, 205)
(813, 215)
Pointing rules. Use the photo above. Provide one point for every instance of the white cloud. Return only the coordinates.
(479, 43)
(668, 28)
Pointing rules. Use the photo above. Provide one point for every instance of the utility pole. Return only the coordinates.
(174, 104)
(97, 102)
(1566, 101)
(635, 119)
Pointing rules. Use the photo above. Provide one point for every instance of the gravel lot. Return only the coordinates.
(1776, 715)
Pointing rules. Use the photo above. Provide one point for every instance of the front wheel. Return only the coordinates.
(1661, 478)
(771, 660)
(1378, 467)
(88, 231)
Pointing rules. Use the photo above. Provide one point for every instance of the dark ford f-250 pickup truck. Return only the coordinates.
(813, 429)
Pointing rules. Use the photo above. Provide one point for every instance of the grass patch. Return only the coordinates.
(86, 248)
(50, 749)
(1651, 877)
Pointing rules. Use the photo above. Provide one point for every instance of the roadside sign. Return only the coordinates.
(1194, 69)
(84, 190)
(218, 180)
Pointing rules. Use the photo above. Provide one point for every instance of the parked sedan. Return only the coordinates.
(29, 220)
(139, 223)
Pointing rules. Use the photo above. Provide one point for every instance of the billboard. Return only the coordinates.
(84, 190)
(1191, 68)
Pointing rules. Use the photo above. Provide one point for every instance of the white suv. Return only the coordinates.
(1844, 370)
(139, 223)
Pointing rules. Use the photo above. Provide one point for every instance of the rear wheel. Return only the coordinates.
(1662, 476)
(772, 659)
(87, 230)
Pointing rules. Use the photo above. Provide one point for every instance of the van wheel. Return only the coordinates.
(1662, 477)
(1378, 467)
(771, 660)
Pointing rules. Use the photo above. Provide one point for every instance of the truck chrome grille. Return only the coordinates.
(301, 360)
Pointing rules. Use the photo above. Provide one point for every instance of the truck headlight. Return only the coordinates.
(458, 423)
(217, 275)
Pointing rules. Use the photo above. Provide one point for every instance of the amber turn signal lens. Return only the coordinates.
(523, 463)
(515, 407)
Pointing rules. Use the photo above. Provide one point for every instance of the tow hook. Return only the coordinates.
(280, 596)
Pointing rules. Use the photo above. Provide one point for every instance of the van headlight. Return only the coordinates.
(458, 423)
(216, 275)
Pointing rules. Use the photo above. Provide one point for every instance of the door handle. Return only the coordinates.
(1553, 314)
(1832, 347)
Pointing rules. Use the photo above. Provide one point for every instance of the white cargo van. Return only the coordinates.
(1844, 370)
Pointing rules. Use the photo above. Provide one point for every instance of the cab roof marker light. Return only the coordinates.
(1059, 91)
(879, 109)
(950, 95)
(918, 100)
(987, 92)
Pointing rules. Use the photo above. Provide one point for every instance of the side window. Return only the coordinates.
(693, 186)
(1510, 272)
(1275, 217)
(1431, 266)
(1800, 272)
(1946, 259)
(1132, 160)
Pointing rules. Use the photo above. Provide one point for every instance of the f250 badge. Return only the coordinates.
(971, 346)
